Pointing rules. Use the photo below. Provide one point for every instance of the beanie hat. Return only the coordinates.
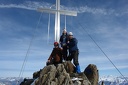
(56, 43)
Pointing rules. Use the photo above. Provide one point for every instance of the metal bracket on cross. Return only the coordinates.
(57, 13)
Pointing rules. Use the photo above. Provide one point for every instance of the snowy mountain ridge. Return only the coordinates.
(108, 80)
(113, 80)
(10, 80)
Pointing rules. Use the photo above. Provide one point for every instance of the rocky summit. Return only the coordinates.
(64, 74)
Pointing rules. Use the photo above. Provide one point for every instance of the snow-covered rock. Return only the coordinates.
(113, 80)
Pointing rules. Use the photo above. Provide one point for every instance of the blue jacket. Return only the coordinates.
(62, 40)
(72, 45)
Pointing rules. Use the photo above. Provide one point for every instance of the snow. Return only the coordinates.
(113, 80)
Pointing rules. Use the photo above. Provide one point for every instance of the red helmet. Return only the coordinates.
(56, 43)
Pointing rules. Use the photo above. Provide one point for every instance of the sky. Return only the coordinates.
(106, 21)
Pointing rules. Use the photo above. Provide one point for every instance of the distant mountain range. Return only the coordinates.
(112, 80)
(10, 80)
(108, 80)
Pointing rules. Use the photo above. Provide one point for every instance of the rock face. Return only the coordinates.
(54, 75)
(92, 74)
(27, 82)
(69, 67)
(63, 74)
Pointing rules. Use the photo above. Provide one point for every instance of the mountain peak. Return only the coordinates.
(64, 74)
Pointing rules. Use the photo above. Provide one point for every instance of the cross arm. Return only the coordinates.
(64, 12)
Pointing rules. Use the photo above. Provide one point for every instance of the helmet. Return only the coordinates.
(70, 34)
(56, 43)
(64, 30)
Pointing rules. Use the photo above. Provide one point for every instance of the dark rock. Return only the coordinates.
(82, 79)
(61, 74)
(54, 75)
(36, 74)
(64, 74)
(69, 67)
(27, 82)
(92, 74)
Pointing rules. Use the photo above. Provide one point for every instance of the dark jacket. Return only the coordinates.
(72, 45)
(56, 55)
(62, 38)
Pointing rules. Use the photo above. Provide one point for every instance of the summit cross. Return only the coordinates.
(57, 13)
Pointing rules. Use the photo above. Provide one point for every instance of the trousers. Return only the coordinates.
(74, 55)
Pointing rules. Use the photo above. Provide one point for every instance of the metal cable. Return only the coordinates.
(26, 56)
(48, 29)
(102, 51)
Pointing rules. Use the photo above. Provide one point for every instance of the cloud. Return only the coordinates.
(12, 67)
(32, 5)
(90, 10)
(27, 5)
(113, 40)
(112, 67)
(102, 59)
(102, 62)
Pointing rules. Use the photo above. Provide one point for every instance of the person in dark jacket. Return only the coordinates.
(63, 42)
(73, 51)
(56, 55)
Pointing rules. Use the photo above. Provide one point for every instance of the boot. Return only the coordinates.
(78, 69)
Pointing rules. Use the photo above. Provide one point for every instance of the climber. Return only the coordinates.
(63, 43)
(73, 51)
(56, 55)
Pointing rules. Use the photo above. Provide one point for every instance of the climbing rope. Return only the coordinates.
(26, 56)
(85, 30)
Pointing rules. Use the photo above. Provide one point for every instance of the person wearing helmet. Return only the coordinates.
(63, 43)
(56, 55)
(73, 51)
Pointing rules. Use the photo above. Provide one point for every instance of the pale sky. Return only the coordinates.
(105, 20)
